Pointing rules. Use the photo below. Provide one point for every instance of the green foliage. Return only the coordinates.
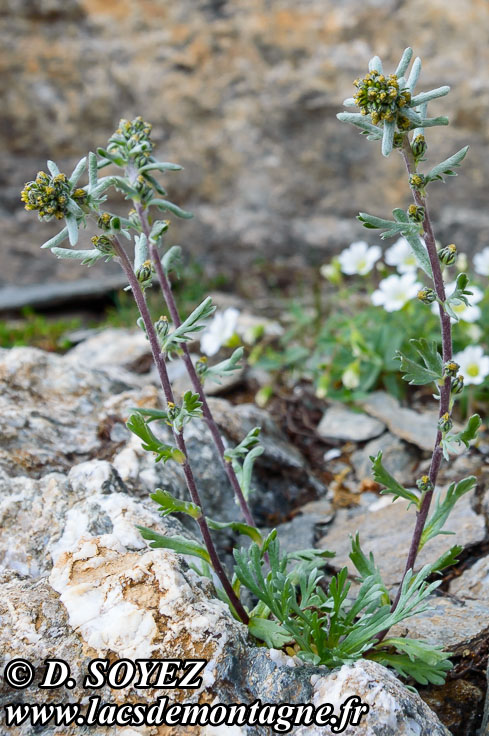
(37, 330)
(163, 451)
(178, 544)
(452, 441)
(243, 456)
(459, 296)
(445, 167)
(327, 626)
(186, 331)
(382, 476)
(442, 509)
(223, 368)
(414, 658)
(432, 368)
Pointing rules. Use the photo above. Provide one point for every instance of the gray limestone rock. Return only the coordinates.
(387, 533)
(340, 423)
(409, 425)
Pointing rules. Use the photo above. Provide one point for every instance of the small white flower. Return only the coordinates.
(401, 256)
(395, 291)
(219, 331)
(474, 365)
(481, 262)
(351, 375)
(359, 258)
(469, 313)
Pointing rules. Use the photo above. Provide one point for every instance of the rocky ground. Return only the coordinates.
(78, 581)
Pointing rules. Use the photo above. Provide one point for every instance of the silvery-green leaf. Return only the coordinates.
(141, 251)
(445, 167)
(74, 209)
(172, 260)
(72, 226)
(442, 509)
(87, 257)
(431, 122)
(375, 64)
(384, 478)
(164, 204)
(414, 74)
(53, 169)
(421, 110)
(92, 170)
(155, 184)
(356, 118)
(349, 102)
(76, 255)
(112, 157)
(103, 184)
(78, 171)
(158, 229)
(163, 166)
(412, 116)
(431, 95)
(272, 633)
(414, 372)
(404, 63)
(400, 215)
(56, 239)
(388, 138)
(178, 544)
(420, 252)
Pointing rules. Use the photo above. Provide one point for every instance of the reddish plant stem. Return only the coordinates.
(446, 333)
(197, 386)
(179, 439)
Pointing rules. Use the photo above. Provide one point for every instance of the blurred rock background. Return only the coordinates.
(244, 94)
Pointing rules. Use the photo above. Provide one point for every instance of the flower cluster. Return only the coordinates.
(132, 139)
(51, 195)
(381, 97)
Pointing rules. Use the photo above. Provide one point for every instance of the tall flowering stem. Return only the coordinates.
(179, 439)
(446, 335)
(196, 383)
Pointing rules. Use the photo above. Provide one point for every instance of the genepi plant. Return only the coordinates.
(392, 113)
(294, 608)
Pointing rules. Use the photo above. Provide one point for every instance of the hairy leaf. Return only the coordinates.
(382, 476)
(177, 543)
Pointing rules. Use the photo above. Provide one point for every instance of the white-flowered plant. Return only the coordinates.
(395, 292)
(481, 262)
(359, 258)
(401, 256)
(219, 331)
(474, 365)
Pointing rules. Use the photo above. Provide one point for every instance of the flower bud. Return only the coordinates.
(426, 295)
(103, 221)
(448, 254)
(417, 182)
(424, 484)
(457, 384)
(103, 244)
(144, 272)
(162, 326)
(451, 368)
(445, 422)
(398, 140)
(418, 147)
(415, 213)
